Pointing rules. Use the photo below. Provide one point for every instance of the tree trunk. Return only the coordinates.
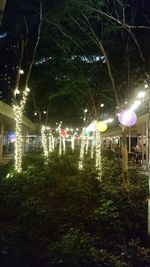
(81, 156)
(19, 107)
(2, 7)
(98, 155)
(19, 142)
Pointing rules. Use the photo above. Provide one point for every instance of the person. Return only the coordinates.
(138, 155)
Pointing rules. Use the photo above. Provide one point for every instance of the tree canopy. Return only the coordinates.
(90, 51)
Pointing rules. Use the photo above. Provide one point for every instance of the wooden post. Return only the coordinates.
(124, 156)
(129, 139)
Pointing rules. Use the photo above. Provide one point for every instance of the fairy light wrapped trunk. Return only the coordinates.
(98, 154)
(59, 140)
(101, 126)
(64, 144)
(18, 107)
(18, 111)
(44, 141)
(72, 143)
(19, 139)
(81, 156)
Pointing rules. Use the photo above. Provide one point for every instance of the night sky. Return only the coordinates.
(58, 54)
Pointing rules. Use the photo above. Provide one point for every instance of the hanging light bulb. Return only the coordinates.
(141, 95)
(27, 89)
(16, 92)
(21, 71)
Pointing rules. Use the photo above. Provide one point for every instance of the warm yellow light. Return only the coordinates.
(44, 141)
(135, 105)
(17, 92)
(81, 156)
(18, 112)
(98, 154)
(21, 72)
(141, 94)
(101, 126)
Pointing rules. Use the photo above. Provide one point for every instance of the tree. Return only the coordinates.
(109, 25)
(19, 102)
(2, 7)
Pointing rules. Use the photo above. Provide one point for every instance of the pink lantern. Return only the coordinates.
(63, 133)
(127, 117)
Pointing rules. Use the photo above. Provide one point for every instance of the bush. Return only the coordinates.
(55, 215)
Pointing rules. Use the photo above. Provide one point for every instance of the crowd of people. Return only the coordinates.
(137, 154)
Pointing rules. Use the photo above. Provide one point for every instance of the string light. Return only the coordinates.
(64, 144)
(81, 156)
(60, 139)
(141, 95)
(72, 143)
(21, 71)
(16, 92)
(98, 154)
(44, 141)
(18, 112)
(53, 143)
(60, 145)
(50, 143)
(27, 89)
(135, 105)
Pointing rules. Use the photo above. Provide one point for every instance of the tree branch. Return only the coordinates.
(36, 45)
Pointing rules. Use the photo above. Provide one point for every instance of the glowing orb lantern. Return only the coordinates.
(127, 117)
(91, 127)
(63, 133)
(101, 126)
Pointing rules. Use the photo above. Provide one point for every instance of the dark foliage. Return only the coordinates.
(55, 215)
